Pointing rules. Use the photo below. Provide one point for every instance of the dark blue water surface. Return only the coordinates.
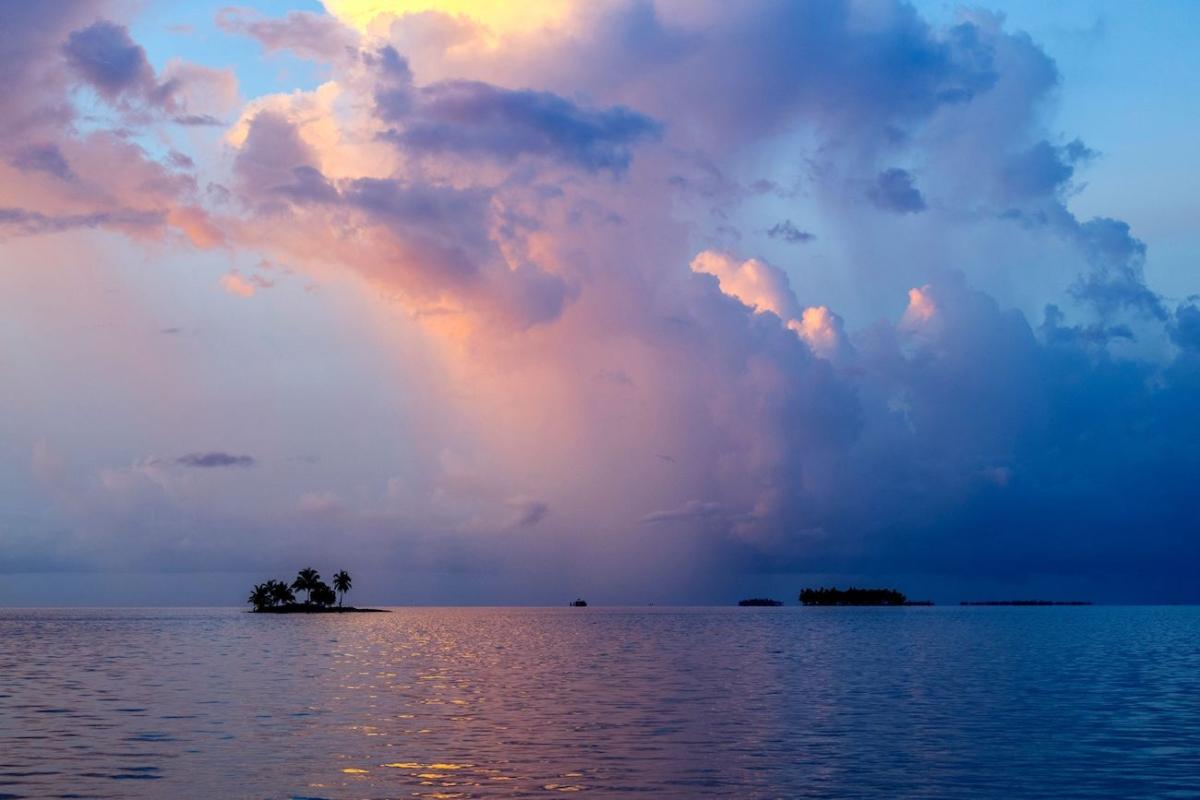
(1092, 702)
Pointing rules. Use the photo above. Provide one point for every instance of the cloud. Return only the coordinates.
(23, 222)
(44, 157)
(433, 241)
(319, 503)
(689, 511)
(214, 459)
(541, 246)
(236, 285)
(761, 286)
(476, 119)
(822, 330)
(1042, 169)
(67, 171)
(788, 232)
(895, 191)
(527, 511)
(197, 120)
(1185, 330)
(308, 34)
(106, 57)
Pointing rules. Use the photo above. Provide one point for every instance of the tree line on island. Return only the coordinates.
(278, 597)
(855, 597)
(833, 596)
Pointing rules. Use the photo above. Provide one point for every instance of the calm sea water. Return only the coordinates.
(1095, 702)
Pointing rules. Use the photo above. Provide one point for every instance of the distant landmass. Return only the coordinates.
(760, 601)
(1025, 603)
(833, 596)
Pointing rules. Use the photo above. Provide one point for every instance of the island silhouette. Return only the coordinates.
(760, 601)
(279, 597)
(833, 596)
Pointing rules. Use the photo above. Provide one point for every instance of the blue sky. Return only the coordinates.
(1130, 79)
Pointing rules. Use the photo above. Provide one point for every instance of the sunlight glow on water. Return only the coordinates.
(455, 703)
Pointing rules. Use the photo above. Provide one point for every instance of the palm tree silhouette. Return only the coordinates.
(281, 593)
(322, 595)
(341, 582)
(260, 597)
(306, 581)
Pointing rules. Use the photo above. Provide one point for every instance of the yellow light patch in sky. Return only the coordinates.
(499, 16)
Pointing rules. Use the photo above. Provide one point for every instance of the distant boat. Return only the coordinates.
(579, 603)
(760, 601)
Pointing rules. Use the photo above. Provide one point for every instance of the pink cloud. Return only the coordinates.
(236, 285)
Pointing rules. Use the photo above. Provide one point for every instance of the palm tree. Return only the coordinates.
(341, 582)
(322, 595)
(307, 580)
(260, 597)
(281, 593)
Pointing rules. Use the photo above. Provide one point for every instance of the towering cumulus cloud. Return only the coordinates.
(665, 296)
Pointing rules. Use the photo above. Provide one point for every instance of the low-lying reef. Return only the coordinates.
(1025, 603)
(279, 597)
(833, 596)
(760, 601)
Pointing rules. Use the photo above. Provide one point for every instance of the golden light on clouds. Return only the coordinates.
(921, 306)
(499, 16)
(818, 327)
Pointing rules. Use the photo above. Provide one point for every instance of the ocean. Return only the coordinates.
(941, 702)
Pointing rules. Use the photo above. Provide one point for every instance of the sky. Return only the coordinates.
(642, 301)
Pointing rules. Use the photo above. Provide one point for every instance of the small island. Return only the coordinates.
(855, 597)
(760, 601)
(279, 597)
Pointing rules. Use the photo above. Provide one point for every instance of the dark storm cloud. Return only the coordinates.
(214, 459)
(992, 452)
